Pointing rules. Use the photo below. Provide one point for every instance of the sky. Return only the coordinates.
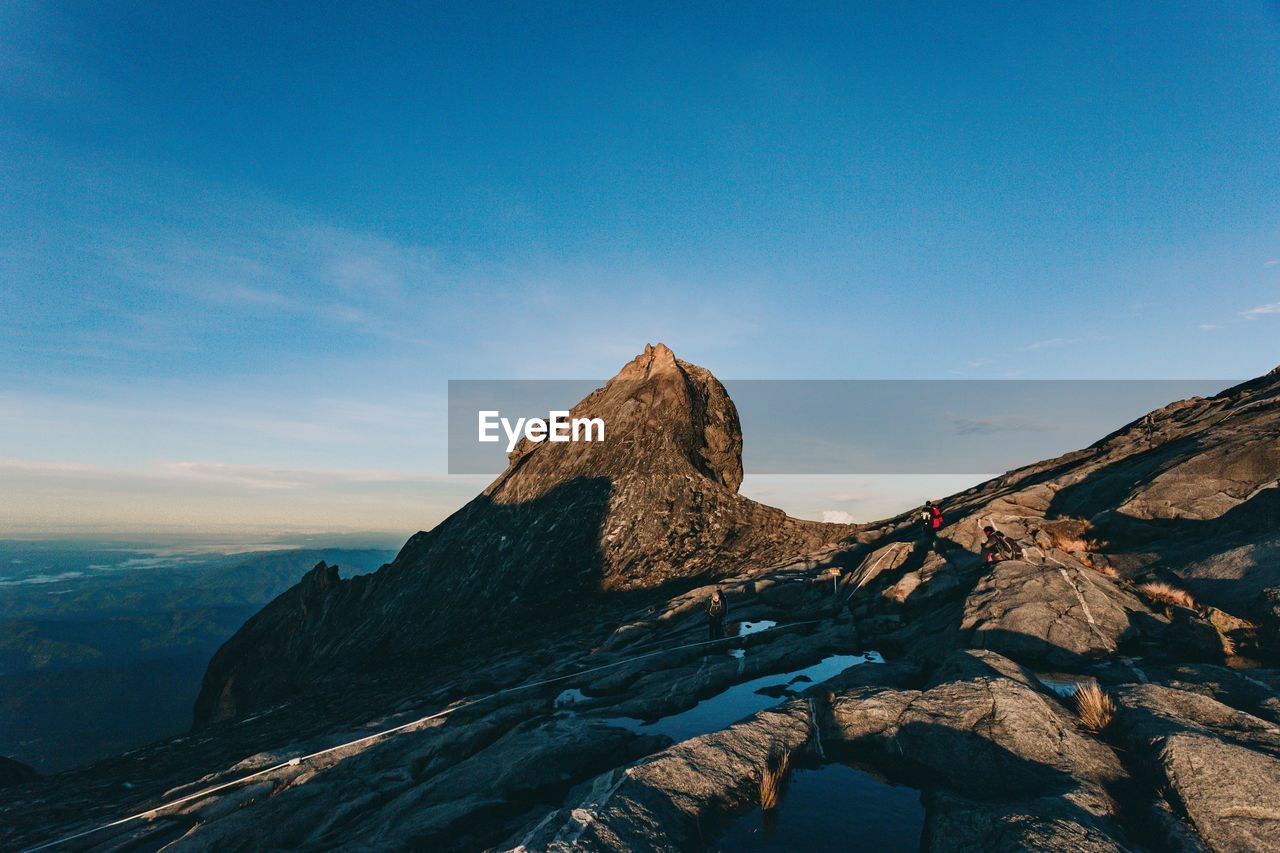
(244, 246)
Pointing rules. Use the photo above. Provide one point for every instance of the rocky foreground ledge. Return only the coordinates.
(1112, 689)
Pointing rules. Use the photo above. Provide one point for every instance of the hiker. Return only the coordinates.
(1148, 426)
(930, 520)
(999, 547)
(716, 610)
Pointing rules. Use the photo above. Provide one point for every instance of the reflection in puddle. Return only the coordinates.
(834, 807)
(742, 700)
(745, 628)
(1063, 685)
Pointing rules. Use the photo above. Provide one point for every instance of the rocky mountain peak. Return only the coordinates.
(662, 416)
(574, 523)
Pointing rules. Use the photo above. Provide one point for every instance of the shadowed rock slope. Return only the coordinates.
(565, 526)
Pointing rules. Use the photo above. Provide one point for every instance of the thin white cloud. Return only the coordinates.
(998, 423)
(1050, 343)
(1261, 311)
(1210, 327)
(837, 516)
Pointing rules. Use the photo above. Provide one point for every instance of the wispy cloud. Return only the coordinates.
(1261, 311)
(1050, 343)
(235, 281)
(837, 516)
(1210, 327)
(998, 423)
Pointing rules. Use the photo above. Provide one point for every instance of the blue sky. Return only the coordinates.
(243, 246)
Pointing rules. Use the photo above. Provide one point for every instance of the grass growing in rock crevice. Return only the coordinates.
(1095, 707)
(1102, 567)
(1166, 593)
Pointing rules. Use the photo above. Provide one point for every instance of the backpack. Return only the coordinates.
(1006, 547)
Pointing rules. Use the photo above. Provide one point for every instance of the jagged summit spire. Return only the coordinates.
(662, 416)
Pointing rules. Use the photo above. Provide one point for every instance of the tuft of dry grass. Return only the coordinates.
(1104, 568)
(1165, 593)
(1094, 706)
(1070, 535)
(1228, 644)
(776, 768)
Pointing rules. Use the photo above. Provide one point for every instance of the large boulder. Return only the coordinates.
(1220, 765)
(1059, 613)
(1254, 691)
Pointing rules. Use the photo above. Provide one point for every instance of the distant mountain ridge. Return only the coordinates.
(111, 659)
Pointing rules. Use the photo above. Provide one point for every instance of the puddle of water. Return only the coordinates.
(1063, 685)
(834, 807)
(745, 628)
(743, 700)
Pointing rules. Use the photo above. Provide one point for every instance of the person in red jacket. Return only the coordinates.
(931, 520)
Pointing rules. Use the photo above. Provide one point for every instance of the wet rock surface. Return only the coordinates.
(463, 738)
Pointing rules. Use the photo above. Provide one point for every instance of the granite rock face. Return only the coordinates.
(1057, 615)
(1220, 764)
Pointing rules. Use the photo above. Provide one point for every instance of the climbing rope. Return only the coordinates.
(891, 547)
(294, 762)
